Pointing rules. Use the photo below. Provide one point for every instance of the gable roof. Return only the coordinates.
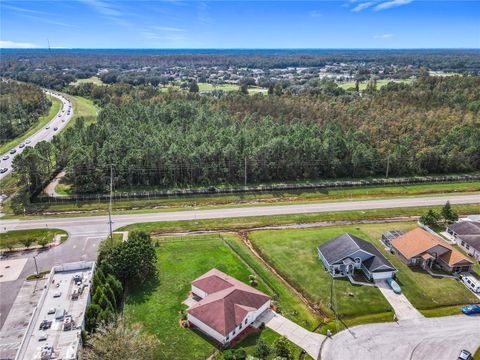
(466, 228)
(346, 245)
(418, 241)
(472, 240)
(224, 309)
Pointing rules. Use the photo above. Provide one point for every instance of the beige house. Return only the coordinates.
(419, 247)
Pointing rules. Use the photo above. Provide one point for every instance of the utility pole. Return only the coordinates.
(110, 205)
(245, 172)
(388, 164)
(36, 267)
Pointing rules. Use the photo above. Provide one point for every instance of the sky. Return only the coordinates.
(240, 24)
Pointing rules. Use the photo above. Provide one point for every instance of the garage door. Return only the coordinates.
(382, 275)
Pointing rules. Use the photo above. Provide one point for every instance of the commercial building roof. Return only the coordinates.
(227, 303)
(63, 303)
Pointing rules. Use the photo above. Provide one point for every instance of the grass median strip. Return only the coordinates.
(26, 238)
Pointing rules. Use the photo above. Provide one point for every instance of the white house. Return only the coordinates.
(467, 235)
(346, 253)
(225, 306)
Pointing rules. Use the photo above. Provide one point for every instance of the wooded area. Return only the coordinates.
(176, 139)
(20, 107)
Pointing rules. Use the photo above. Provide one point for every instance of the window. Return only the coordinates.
(463, 243)
(228, 337)
(246, 321)
(467, 247)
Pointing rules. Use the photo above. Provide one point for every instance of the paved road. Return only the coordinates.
(96, 224)
(418, 339)
(58, 121)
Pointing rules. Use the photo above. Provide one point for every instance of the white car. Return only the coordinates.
(28, 141)
(47, 127)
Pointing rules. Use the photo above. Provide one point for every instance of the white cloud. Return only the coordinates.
(363, 6)
(391, 4)
(103, 7)
(383, 36)
(6, 44)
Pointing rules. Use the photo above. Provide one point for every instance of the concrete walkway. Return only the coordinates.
(308, 341)
(401, 305)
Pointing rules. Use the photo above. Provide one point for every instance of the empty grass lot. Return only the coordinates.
(93, 79)
(293, 253)
(363, 85)
(13, 239)
(158, 308)
(42, 120)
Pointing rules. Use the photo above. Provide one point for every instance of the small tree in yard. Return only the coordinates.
(281, 349)
(449, 216)
(26, 242)
(262, 350)
(431, 218)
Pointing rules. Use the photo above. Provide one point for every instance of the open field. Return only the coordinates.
(38, 125)
(93, 79)
(82, 107)
(293, 253)
(14, 238)
(259, 221)
(159, 307)
(363, 84)
(264, 198)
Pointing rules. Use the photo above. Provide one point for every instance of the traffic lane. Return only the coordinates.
(43, 134)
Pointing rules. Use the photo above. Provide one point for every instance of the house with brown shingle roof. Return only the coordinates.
(225, 307)
(419, 247)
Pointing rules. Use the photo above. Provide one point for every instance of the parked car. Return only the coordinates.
(57, 294)
(47, 127)
(6, 157)
(471, 282)
(471, 309)
(3, 170)
(394, 285)
(55, 128)
(465, 355)
(28, 141)
(51, 311)
(13, 151)
(43, 337)
(45, 324)
(22, 145)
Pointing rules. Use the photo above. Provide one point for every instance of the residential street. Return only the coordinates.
(419, 339)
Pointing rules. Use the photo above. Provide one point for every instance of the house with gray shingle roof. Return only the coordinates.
(223, 307)
(467, 235)
(345, 254)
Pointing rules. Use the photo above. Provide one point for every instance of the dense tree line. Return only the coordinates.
(182, 139)
(21, 105)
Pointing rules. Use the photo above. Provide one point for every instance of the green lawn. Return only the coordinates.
(14, 238)
(363, 85)
(93, 79)
(158, 308)
(293, 253)
(476, 356)
(261, 198)
(82, 107)
(36, 127)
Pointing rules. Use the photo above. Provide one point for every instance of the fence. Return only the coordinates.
(259, 188)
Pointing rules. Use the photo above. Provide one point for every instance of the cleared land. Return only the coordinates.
(82, 107)
(275, 197)
(363, 84)
(38, 125)
(293, 254)
(159, 307)
(16, 238)
(93, 79)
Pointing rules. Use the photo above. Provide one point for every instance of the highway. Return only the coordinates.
(59, 121)
(98, 224)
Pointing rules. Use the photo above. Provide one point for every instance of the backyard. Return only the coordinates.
(293, 254)
(181, 260)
